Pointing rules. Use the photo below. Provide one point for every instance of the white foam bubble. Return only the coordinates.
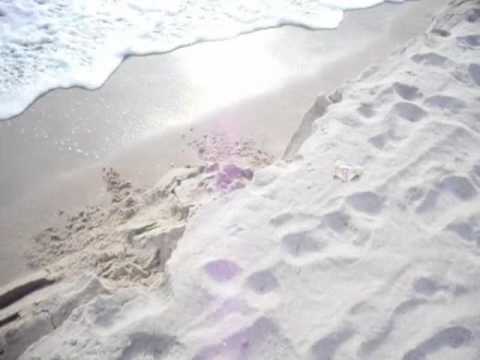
(63, 43)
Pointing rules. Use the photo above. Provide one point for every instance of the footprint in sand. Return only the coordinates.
(469, 41)
(366, 202)
(262, 282)
(473, 15)
(222, 270)
(366, 110)
(409, 111)
(148, 346)
(474, 72)
(446, 103)
(426, 286)
(460, 186)
(407, 92)
(338, 221)
(379, 141)
(453, 337)
(431, 59)
(467, 230)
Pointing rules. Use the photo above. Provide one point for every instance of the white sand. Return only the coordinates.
(300, 265)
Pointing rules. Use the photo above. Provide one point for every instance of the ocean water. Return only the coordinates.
(49, 44)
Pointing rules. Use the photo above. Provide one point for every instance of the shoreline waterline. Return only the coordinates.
(65, 45)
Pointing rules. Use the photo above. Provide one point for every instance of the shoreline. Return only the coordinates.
(159, 36)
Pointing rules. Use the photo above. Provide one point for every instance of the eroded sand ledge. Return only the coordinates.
(299, 265)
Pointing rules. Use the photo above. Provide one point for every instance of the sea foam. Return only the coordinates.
(52, 44)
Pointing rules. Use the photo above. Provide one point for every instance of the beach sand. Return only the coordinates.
(142, 120)
(362, 244)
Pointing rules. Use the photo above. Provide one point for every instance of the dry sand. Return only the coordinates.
(51, 156)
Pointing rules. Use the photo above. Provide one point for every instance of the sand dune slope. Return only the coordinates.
(300, 265)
